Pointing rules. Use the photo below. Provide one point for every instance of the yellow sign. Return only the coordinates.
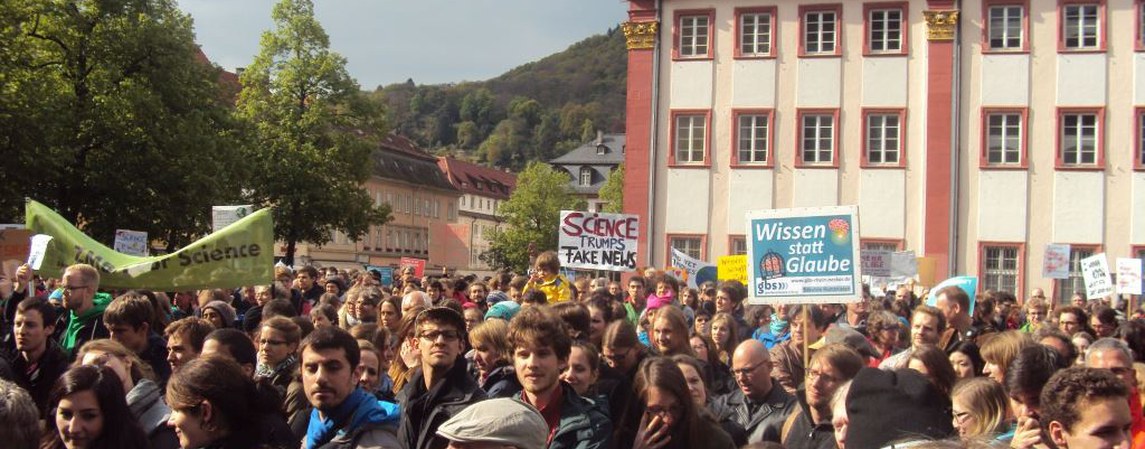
(732, 268)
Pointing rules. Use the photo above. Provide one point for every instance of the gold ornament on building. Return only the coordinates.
(941, 25)
(641, 35)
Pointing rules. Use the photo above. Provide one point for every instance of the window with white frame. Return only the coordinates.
(1081, 27)
(585, 176)
(751, 138)
(1076, 281)
(818, 138)
(820, 32)
(691, 138)
(1000, 268)
(694, 34)
(689, 245)
(885, 30)
(1003, 138)
(1005, 27)
(1079, 139)
(739, 245)
(884, 143)
(755, 34)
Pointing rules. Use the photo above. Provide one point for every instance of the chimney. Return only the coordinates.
(239, 70)
(599, 137)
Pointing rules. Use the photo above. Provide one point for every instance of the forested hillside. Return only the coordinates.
(537, 111)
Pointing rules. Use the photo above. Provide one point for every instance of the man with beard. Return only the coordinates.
(541, 348)
(443, 386)
(926, 326)
(84, 304)
(809, 427)
(38, 360)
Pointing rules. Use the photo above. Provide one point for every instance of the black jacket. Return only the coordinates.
(38, 382)
(762, 422)
(801, 433)
(501, 382)
(583, 424)
(424, 410)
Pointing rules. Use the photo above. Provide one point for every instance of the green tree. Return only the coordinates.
(309, 118)
(531, 215)
(107, 115)
(613, 191)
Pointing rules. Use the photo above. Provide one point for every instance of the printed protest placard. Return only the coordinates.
(386, 274)
(417, 264)
(732, 268)
(131, 242)
(876, 262)
(223, 216)
(691, 270)
(1055, 263)
(968, 284)
(1098, 281)
(598, 241)
(807, 255)
(1128, 276)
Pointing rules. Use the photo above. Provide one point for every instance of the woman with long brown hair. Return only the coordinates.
(214, 405)
(670, 417)
(87, 407)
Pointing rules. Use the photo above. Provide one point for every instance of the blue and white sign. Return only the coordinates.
(808, 255)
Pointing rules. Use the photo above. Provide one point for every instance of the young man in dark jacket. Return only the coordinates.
(38, 361)
(541, 347)
(809, 427)
(442, 387)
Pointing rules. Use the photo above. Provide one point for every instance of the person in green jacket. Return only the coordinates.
(84, 304)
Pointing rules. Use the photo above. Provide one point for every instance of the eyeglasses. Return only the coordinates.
(448, 335)
(814, 376)
(617, 355)
(664, 412)
(71, 288)
(748, 371)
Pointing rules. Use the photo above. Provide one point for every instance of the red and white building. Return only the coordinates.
(972, 132)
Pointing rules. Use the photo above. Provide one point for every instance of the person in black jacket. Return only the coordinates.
(442, 386)
(809, 426)
(38, 361)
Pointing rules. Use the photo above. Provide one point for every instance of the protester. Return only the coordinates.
(143, 394)
(492, 357)
(128, 319)
(278, 366)
(583, 370)
(84, 305)
(899, 406)
(370, 360)
(809, 425)
(1103, 321)
(600, 315)
(38, 361)
(547, 278)
(214, 405)
(503, 423)
(670, 332)
(787, 357)
(724, 331)
(933, 363)
(20, 415)
(1114, 355)
(236, 346)
(760, 405)
(671, 418)
(1025, 377)
(220, 314)
(979, 407)
(966, 360)
(1000, 350)
(185, 338)
(729, 299)
(927, 325)
(1086, 408)
(955, 306)
(343, 414)
(883, 328)
(88, 404)
(443, 386)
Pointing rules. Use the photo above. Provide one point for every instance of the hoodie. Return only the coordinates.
(87, 326)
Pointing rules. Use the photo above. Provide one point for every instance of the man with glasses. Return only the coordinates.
(809, 427)
(760, 405)
(443, 386)
(84, 304)
(1114, 355)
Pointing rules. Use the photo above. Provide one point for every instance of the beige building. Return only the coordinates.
(973, 132)
(483, 189)
(423, 202)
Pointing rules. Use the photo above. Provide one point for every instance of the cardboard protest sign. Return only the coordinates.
(807, 255)
(240, 255)
(1128, 276)
(1055, 263)
(14, 246)
(1095, 272)
(694, 271)
(598, 241)
(131, 242)
(732, 268)
(223, 216)
(417, 264)
(875, 262)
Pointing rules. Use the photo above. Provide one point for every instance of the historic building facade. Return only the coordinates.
(973, 132)
(483, 189)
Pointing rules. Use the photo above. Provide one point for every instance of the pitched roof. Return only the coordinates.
(401, 144)
(589, 152)
(477, 179)
(228, 81)
(400, 159)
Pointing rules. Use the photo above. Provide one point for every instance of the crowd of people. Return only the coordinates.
(328, 358)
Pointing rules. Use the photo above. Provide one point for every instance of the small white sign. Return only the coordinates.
(1128, 276)
(1098, 280)
(131, 242)
(38, 249)
(876, 262)
(1055, 263)
(223, 216)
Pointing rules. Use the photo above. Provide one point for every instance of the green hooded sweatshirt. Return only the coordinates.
(77, 322)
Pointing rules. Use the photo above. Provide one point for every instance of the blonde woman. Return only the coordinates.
(979, 408)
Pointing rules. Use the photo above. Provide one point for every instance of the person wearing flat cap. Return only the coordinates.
(496, 424)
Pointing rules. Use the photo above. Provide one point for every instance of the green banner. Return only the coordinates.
(237, 255)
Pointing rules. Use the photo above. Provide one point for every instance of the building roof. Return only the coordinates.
(228, 81)
(477, 179)
(590, 152)
(398, 158)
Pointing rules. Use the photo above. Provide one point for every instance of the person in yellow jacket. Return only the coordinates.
(547, 278)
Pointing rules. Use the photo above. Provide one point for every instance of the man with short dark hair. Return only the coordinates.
(308, 288)
(809, 426)
(760, 404)
(955, 306)
(1114, 355)
(233, 344)
(38, 360)
(541, 348)
(128, 318)
(185, 339)
(926, 326)
(443, 386)
(344, 415)
(637, 298)
(1085, 408)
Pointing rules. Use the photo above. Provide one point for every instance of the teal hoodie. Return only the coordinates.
(79, 322)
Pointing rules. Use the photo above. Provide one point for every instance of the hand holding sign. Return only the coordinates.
(35, 259)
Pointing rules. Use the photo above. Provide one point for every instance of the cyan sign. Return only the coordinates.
(807, 255)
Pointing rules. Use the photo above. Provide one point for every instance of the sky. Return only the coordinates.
(430, 41)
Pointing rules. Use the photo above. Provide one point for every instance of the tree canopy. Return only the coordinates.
(313, 133)
(532, 214)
